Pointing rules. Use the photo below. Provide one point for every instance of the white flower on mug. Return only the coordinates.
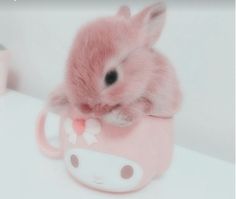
(91, 129)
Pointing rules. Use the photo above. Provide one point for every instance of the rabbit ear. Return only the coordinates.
(150, 22)
(58, 101)
(124, 11)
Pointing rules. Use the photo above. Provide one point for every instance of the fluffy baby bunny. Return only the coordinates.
(113, 72)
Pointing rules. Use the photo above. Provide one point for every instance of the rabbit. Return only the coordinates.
(114, 73)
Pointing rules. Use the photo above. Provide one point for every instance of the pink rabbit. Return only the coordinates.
(114, 74)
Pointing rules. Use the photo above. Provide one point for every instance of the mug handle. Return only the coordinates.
(44, 145)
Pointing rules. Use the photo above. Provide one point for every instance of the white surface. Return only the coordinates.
(25, 173)
(199, 39)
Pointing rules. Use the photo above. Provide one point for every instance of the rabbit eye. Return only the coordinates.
(111, 77)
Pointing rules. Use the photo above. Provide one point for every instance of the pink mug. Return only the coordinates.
(109, 158)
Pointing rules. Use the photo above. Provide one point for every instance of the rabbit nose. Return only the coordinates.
(101, 108)
(97, 107)
(85, 108)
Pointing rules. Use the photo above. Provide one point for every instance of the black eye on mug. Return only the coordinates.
(111, 77)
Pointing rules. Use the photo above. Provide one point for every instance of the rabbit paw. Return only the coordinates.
(119, 118)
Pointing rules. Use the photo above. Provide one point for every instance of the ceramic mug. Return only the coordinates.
(109, 158)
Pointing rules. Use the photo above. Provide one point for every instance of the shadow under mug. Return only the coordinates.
(4, 63)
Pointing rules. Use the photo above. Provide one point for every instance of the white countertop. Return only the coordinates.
(26, 173)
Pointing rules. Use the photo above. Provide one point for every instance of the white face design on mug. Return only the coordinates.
(103, 171)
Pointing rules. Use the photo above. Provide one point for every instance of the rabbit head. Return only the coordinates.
(109, 62)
